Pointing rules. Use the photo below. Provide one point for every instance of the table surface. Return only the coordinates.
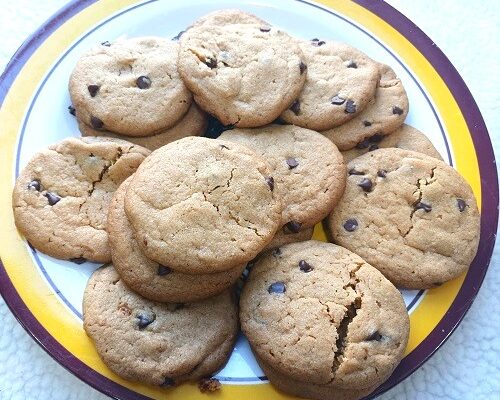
(467, 366)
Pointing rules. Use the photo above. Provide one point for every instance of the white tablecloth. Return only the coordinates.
(466, 367)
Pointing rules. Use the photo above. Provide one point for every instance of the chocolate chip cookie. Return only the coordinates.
(130, 87)
(148, 278)
(340, 83)
(157, 343)
(308, 170)
(202, 205)
(61, 197)
(409, 215)
(319, 315)
(385, 113)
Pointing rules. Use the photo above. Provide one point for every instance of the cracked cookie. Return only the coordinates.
(409, 215)
(150, 279)
(61, 197)
(384, 114)
(157, 343)
(193, 123)
(131, 87)
(406, 138)
(202, 205)
(308, 170)
(318, 315)
(246, 74)
(340, 83)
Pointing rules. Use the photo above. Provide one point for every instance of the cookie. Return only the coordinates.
(193, 123)
(229, 16)
(406, 137)
(245, 74)
(130, 87)
(308, 170)
(321, 316)
(340, 83)
(202, 205)
(150, 279)
(61, 197)
(385, 113)
(283, 237)
(409, 215)
(157, 343)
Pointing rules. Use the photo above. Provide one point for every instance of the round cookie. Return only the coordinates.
(406, 137)
(150, 279)
(226, 66)
(202, 205)
(283, 237)
(193, 123)
(229, 16)
(130, 87)
(321, 316)
(157, 343)
(308, 170)
(340, 83)
(409, 215)
(385, 113)
(61, 197)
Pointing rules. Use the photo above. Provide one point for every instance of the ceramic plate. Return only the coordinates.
(45, 294)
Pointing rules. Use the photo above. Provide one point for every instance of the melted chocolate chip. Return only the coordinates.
(144, 319)
(265, 29)
(302, 67)
(293, 226)
(78, 260)
(35, 184)
(461, 204)
(178, 36)
(397, 110)
(353, 171)
(337, 100)
(367, 123)
(350, 107)
(351, 225)
(292, 163)
(96, 123)
(93, 89)
(277, 287)
(423, 206)
(270, 182)
(276, 252)
(366, 184)
(211, 62)
(352, 64)
(295, 107)
(305, 266)
(382, 173)
(52, 198)
(164, 270)
(168, 382)
(143, 82)
(373, 147)
(375, 336)
(106, 43)
(72, 110)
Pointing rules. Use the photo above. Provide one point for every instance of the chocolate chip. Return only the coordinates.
(178, 36)
(164, 270)
(353, 171)
(423, 206)
(72, 110)
(106, 43)
(382, 173)
(292, 163)
(352, 64)
(144, 319)
(337, 100)
(168, 382)
(315, 40)
(302, 67)
(279, 121)
(375, 336)
(305, 266)
(93, 89)
(295, 107)
(373, 147)
(293, 226)
(277, 287)
(52, 198)
(461, 204)
(350, 107)
(265, 29)
(143, 82)
(397, 110)
(270, 182)
(375, 138)
(276, 252)
(366, 184)
(223, 146)
(351, 225)
(211, 62)
(78, 260)
(367, 123)
(317, 43)
(96, 123)
(35, 184)
(363, 145)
